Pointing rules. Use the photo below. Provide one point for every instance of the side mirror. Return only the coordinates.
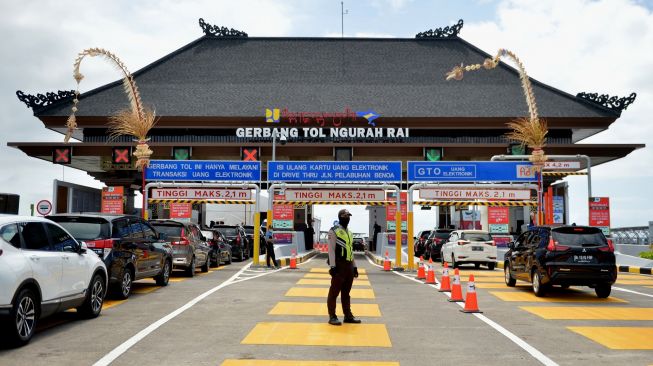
(82, 247)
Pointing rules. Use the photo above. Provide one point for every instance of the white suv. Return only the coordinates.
(470, 246)
(43, 270)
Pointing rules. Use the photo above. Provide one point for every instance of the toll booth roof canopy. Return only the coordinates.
(401, 78)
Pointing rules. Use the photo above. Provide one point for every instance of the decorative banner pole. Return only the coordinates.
(529, 131)
(135, 121)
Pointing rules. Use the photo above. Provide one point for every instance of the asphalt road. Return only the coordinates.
(237, 315)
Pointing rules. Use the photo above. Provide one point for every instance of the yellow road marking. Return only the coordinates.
(326, 270)
(144, 289)
(634, 282)
(304, 363)
(319, 334)
(590, 313)
(111, 303)
(328, 276)
(498, 285)
(305, 281)
(320, 309)
(356, 293)
(618, 337)
(177, 279)
(564, 297)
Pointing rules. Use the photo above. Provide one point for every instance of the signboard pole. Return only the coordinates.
(144, 209)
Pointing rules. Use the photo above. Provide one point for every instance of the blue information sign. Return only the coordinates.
(203, 170)
(334, 171)
(470, 171)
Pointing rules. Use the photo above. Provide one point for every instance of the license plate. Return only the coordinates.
(583, 259)
(477, 249)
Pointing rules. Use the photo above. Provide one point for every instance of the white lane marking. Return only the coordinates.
(518, 341)
(122, 348)
(631, 291)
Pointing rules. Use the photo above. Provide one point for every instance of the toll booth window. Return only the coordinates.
(9, 233)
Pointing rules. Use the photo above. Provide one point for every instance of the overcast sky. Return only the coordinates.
(573, 45)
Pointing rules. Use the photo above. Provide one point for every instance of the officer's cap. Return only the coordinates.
(344, 212)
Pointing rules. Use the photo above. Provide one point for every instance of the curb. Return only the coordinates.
(286, 260)
(379, 261)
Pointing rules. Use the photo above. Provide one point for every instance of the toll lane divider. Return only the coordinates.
(285, 261)
(535, 353)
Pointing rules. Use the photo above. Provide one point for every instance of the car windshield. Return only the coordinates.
(84, 228)
(228, 231)
(169, 230)
(207, 234)
(440, 234)
(579, 236)
(476, 236)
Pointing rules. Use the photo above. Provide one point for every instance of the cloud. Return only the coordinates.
(594, 46)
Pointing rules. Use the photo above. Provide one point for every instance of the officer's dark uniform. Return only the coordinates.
(343, 270)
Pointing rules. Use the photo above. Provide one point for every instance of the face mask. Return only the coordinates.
(344, 221)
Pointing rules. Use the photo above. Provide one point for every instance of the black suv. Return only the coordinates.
(237, 238)
(131, 248)
(434, 242)
(565, 256)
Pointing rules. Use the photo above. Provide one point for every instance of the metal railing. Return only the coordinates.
(631, 235)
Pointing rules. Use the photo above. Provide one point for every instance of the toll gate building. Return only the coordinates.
(225, 95)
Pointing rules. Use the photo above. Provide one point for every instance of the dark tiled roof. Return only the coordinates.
(394, 77)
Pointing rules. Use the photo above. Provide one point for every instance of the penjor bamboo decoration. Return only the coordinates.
(136, 120)
(529, 131)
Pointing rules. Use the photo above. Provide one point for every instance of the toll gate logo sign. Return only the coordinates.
(470, 171)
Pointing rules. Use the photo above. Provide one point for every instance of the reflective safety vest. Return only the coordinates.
(344, 244)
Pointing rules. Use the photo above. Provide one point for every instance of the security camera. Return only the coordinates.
(283, 139)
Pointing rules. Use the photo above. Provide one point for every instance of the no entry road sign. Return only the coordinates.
(334, 171)
(470, 171)
(203, 170)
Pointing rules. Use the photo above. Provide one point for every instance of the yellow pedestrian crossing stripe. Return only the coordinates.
(590, 313)
(305, 363)
(308, 281)
(319, 334)
(328, 276)
(561, 297)
(326, 270)
(355, 293)
(320, 309)
(632, 338)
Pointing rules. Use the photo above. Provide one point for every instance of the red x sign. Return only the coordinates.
(62, 156)
(121, 155)
(250, 154)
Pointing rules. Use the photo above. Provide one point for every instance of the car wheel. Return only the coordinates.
(490, 266)
(124, 287)
(163, 278)
(205, 266)
(603, 291)
(538, 287)
(442, 259)
(510, 281)
(24, 315)
(241, 256)
(228, 259)
(215, 261)
(453, 262)
(190, 271)
(94, 299)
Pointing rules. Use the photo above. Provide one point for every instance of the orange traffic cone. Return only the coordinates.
(456, 290)
(430, 276)
(444, 281)
(386, 261)
(293, 260)
(420, 269)
(471, 303)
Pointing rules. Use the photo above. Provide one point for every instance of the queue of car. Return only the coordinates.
(72, 261)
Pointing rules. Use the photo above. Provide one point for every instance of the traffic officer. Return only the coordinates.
(343, 269)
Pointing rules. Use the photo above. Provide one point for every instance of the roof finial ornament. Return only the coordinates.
(223, 32)
(446, 32)
(43, 100)
(613, 103)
